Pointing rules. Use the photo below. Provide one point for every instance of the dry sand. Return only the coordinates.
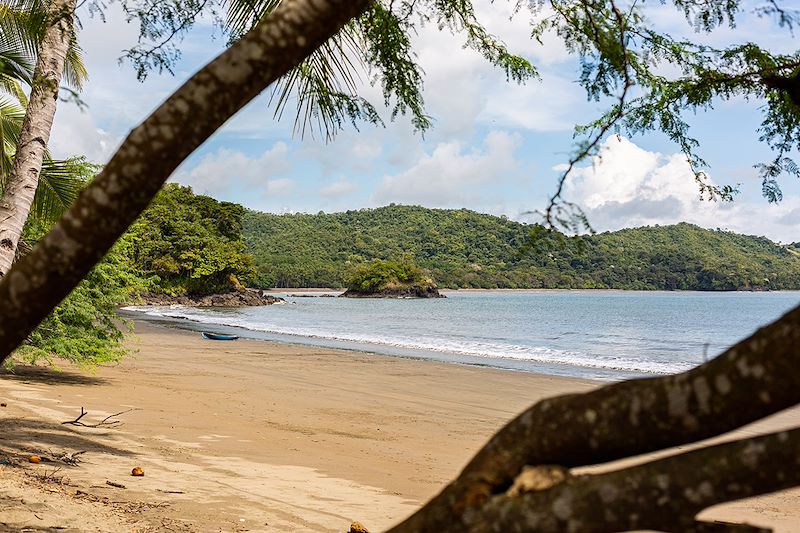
(257, 436)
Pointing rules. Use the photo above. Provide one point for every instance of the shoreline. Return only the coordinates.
(674, 291)
(551, 369)
(266, 436)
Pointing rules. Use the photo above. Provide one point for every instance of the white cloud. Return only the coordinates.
(629, 186)
(337, 189)
(219, 172)
(75, 132)
(280, 186)
(463, 90)
(552, 104)
(451, 175)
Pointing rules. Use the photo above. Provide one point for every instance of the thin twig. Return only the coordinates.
(106, 422)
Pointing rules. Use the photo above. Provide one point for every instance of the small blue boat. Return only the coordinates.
(219, 337)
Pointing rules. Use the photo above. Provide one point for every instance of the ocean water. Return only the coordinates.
(607, 335)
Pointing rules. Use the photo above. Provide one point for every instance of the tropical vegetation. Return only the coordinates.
(38, 47)
(85, 328)
(464, 249)
(190, 244)
(389, 278)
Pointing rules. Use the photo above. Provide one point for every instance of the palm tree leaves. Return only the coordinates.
(11, 115)
(22, 27)
(244, 14)
(325, 87)
(60, 181)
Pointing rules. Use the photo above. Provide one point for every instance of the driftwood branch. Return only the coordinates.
(106, 422)
(753, 379)
(68, 458)
(108, 206)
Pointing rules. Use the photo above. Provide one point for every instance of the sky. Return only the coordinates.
(495, 147)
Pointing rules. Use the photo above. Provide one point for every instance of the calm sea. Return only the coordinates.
(604, 335)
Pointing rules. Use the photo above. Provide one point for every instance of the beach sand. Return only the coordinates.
(259, 436)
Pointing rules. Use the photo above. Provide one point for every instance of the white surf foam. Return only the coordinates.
(468, 347)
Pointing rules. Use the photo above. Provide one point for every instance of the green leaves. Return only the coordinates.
(619, 48)
(60, 182)
(461, 248)
(379, 275)
(22, 27)
(190, 244)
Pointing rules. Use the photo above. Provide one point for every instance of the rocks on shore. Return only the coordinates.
(427, 291)
(244, 298)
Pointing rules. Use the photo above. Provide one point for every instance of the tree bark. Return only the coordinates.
(152, 151)
(661, 495)
(753, 379)
(35, 134)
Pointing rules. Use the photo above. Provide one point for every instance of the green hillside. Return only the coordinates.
(462, 248)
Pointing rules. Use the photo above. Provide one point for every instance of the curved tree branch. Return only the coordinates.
(151, 153)
(662, 495)
(629, 418)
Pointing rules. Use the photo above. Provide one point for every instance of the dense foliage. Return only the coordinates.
(85, 328)
(379, 275)
(183, 244)
(190, 244)
(462, 248)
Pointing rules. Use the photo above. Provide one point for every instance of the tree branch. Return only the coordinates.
(629, 418)
(106, 422)
(662, 495)
(40, 280)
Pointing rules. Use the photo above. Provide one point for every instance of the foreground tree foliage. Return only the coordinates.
(751, 380)
(85, 328)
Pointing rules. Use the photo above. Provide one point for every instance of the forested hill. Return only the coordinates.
(462, 248)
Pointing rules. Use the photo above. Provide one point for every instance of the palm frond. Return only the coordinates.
(60, 182)
(74, 68)
(244, 14)
(324, 87)
(22, 27)
(11, 116)
(15, 67)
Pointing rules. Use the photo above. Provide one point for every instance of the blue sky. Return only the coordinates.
(494, 146)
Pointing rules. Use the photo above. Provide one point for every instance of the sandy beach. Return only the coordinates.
(258, 436)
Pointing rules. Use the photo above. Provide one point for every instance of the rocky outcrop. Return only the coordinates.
(427, 291)
(245, 298)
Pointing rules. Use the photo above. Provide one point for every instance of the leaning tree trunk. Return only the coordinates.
(153, 150)
(24, 177)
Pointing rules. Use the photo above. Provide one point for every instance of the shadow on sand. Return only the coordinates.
(49, 376)
(18, 435)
